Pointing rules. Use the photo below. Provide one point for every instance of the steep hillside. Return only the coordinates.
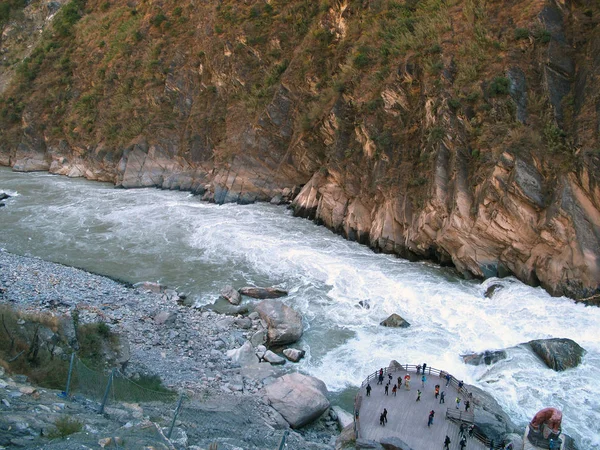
(463, 131)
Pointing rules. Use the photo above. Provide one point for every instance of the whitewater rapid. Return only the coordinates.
(196, 247)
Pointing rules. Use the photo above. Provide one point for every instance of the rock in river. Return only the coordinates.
(257, 292)
(231, 295)
(293, 354)
(487, 357)
(300, 399)
(284, 325)
(395, 321)
(558, 354)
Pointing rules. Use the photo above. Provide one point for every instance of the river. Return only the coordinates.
(175, 239)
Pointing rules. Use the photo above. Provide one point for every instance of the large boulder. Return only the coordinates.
(394, 443)
(491, 419)
(231, 295)
(284, 325)
(558, 354)
(395, 321)
(487, 357)
(257, 292)
(300, 399)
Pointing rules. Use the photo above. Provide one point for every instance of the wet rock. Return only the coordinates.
(273, 358)
(490, 418)
(293, 354)
(366, 304)
(300, 399)
(4, 196)
(490, 291)
(231, 295)
(395, 321)
(558, 354)
(487, 357)
(284, 325)
(257, 292)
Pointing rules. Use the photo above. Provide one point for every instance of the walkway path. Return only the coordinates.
(407, 418)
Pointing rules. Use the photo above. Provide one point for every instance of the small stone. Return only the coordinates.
(395, 321)
(273, 358)
(293, 354)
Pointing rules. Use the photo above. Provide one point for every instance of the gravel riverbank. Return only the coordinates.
(184, 346)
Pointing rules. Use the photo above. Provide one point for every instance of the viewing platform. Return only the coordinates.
(408, 418)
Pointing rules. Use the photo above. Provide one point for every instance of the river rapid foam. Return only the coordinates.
(174, 238)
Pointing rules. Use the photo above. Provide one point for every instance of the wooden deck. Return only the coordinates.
(407, 418)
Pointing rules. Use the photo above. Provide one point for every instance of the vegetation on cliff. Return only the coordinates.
(407, 109)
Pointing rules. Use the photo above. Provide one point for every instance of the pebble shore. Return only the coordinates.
(184, 346)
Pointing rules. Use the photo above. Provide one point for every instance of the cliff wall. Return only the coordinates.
(461, 131)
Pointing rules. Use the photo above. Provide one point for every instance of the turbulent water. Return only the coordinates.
(196, 247)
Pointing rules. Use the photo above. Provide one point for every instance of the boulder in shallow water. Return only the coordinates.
(558, 354)
(300, 399)
(487, 357)
(273, 358)
(231, 295)
(294, 354)
(284, 325)
(257, 292)
(4, 196)
(395, 321)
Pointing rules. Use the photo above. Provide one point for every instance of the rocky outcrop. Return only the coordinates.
(490, 417)
(300, 399)
(231, 295)
(258, 292)
(394, 443)
(487, 357)
(395, 321)
(284, 324)
(558, 354)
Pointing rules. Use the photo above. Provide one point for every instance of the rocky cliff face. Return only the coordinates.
(460, 131)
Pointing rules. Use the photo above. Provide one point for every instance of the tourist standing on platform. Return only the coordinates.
(467, 405)
(423, 380)
(387, 386)
(471, 430)
(380, 377)
(394, 390)
(368, 390)
(389, 378)
(463, 443)
(385, 415)
(448, 378)
(430, 421)
(399, 382)
(418, 395)
(419, 369)
(447, 443)
(424, 367)
(437, 391)
(442, 397)
(492, 445)
(381, 420)
(457, 402)
(407, 382)
(460, 385)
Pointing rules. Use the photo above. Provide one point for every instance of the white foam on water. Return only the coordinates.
(173, 238)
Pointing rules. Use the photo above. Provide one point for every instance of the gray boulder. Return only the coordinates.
(294, 354)
(244, 355)
(394, 443)
(395, 321)
(300, 399)
(273, 358)
(490, 418)
(231, 295)
(558, 354)
(487, 357)
(284, 325)
(165, 318)
(257, 292)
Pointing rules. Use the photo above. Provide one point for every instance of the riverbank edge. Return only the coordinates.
(201, 369)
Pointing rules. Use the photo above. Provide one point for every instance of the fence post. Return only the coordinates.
(69, 376)
(110, 379)
(282, 442)
(175, 416)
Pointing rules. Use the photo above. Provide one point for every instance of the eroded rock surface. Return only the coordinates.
(558, 354)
